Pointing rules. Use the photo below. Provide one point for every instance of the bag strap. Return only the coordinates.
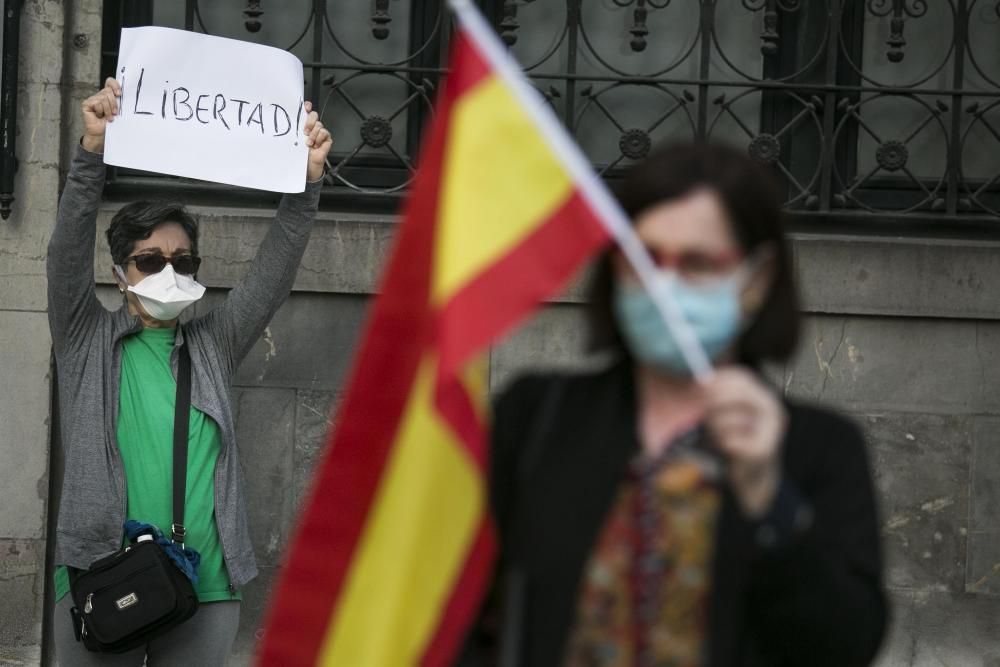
(182, 416)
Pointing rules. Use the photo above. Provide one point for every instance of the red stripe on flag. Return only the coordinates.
(356, 452)
(466, 598)
(534, 269)
(500, 297)
(451, 398)
(337, 506)
(469, 67)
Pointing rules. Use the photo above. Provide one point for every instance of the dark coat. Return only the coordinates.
(811, 598)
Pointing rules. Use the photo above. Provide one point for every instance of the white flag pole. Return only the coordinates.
(591, 187)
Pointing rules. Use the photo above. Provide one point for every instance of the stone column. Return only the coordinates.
(58, 65)
(24, 335)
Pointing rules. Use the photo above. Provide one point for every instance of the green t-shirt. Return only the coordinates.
(145, 439)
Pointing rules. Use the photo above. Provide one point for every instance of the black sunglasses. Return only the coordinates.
(154, 263)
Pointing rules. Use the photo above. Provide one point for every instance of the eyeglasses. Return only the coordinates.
(696, 265)
(154, 262)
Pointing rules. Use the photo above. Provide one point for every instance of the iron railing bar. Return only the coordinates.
(318, 11)
(662, 119)
(607, 114)
(406, 163)
(793, 123)
(823, 162)
(912, 135)
(853, 112)
(706, 26)
(954, 144)
(573, 18)
(739, 121)
(722, 83)
(916, 181)
(124, 189)
(8, 104)
(860, 182)
(828, 152)
(986, 185)
(791, 177)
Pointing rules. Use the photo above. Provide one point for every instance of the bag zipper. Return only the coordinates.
(111, 560)
(88, 605)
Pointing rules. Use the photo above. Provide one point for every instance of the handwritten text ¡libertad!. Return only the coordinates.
(177, 103)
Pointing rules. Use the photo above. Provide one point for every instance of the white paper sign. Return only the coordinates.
(210, 108)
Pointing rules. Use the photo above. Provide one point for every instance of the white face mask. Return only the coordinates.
(166, 294)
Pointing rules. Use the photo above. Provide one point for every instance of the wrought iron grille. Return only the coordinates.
(8, 103)
(874, 110)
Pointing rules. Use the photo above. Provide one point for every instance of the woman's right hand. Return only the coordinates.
(99, 110)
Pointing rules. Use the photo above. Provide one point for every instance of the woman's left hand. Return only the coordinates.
(748, 423)
(319, 141)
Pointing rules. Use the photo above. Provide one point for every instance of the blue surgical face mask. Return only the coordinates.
(712, 310)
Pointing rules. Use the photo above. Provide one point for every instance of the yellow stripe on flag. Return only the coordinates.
(501, 181)
(420, 527)
(475, 378)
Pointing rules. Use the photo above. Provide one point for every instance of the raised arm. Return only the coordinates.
(241, 319)
(73, 305)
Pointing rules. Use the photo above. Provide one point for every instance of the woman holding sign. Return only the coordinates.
(650, 518)
(117, 392)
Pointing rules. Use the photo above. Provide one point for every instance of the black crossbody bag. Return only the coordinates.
(125, 599)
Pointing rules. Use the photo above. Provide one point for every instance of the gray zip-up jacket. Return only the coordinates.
(87, 341)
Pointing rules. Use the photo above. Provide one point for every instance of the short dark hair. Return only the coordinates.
(750, 196)
(136, 222)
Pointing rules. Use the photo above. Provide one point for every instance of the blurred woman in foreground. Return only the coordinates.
(649, 519)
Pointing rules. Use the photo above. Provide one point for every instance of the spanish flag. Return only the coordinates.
(395, 544)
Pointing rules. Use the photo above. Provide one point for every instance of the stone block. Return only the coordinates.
(937, 629)
(22, 567)
(867, 364)
(555, 337)
(315, 412)
(22, 272)
(24, 415)
(345, 253)
(921, 468)
(25, 235)
(983, 573)
(256, 596)
(898, 276)
(41, 34)
(310, 343)
(983, 570)
(82, 65)
(774, 375)
(265, 431)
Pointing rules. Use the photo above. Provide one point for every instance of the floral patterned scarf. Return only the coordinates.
(644, 594)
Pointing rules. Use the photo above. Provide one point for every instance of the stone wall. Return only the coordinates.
(903, 334)
(899, 333)
(24, 338)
